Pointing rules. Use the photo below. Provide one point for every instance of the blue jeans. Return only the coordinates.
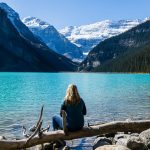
(57, 122)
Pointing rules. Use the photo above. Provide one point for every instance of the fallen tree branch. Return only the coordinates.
(25, 134)
(34, 128)
(112, 127)
(35, 132)
(46, 129)
(39, 120)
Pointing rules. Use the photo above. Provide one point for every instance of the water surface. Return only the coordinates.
(107, 96)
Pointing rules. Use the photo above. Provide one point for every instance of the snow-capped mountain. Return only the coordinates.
(127, 52)
(21, 50)
(88, 36)
(54, 40)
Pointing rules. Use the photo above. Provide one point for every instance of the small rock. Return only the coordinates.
(48, 146)
(100, 141)
(145, 136)
(59, 144)
(66, 148)
(122, 142)
(135, 134)
(112, 147)
(135, 143)
(110, 135)
(120, 136)
(2, 138)
(148, 145)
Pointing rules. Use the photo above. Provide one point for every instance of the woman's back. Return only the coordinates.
(75, 115)
(75, 108)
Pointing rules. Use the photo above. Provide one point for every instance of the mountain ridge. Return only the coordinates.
(88, 36)
(22, 51)
(114, 48)
(52, 38)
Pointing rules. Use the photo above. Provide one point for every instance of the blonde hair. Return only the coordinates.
(72, 96)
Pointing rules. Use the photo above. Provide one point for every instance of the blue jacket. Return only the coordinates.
(75, 115)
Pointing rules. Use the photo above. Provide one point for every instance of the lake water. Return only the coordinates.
(108, 97)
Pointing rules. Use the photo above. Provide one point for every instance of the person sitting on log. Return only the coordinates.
(75, 109)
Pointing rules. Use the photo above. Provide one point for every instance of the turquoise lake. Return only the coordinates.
(108, 97)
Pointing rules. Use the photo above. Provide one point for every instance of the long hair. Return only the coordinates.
(72, 95)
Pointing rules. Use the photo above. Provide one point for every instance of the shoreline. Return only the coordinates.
(118, 140)
(84, 72)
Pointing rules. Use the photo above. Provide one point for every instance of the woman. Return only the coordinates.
(75, 108)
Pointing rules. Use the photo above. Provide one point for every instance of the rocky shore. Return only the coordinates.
(118, 141)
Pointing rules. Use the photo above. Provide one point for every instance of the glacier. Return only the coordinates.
(88, 36)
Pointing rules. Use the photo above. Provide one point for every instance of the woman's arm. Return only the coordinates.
(84, 109)
(63, 107)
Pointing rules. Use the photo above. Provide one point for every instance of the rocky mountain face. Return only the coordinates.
(53, 39)
(88, 36)
(127, 52)
(20, 50)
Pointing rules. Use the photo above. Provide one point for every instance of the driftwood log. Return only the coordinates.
(41, 136)
(112, 127)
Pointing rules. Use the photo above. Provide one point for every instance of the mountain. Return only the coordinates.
(88, 36)
(20, 50)
(53, 38)
(137, 60)
(121, 53)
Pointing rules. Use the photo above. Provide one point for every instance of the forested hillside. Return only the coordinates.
(127, 47)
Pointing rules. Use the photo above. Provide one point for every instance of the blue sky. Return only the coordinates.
(61, 13)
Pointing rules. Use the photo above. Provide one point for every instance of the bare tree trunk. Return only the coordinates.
(112, 127)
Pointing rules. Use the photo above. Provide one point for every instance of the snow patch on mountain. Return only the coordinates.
(34, 22)
(54, 40)
(88, 36)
